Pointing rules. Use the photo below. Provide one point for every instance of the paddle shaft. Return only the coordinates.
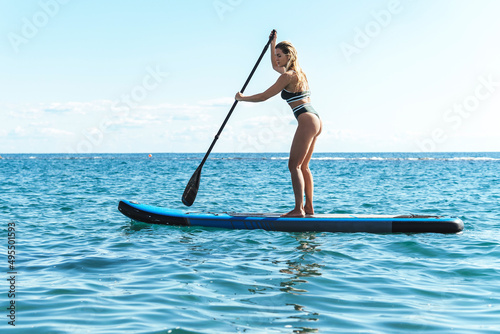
(191, 190)
(236, 102)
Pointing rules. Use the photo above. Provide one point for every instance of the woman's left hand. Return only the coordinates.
(238, 96)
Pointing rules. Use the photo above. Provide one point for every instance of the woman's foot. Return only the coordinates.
(294, 214)
(309, 210)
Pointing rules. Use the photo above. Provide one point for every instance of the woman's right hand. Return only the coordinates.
(238, 96)
(273, 36)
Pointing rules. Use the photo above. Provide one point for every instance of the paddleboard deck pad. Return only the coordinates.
(273, 222)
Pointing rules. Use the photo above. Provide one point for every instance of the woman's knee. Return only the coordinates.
(294, 165)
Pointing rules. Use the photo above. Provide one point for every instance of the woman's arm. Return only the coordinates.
(278, 86)
(273, 55)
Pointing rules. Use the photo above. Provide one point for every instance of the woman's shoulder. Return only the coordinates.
(290, 75)
(285, 77)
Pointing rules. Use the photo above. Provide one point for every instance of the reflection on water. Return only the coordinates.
(306, 330)
(134, 226)
(307, 242)
(299, 269)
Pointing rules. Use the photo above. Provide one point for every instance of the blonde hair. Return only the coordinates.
(293, 63)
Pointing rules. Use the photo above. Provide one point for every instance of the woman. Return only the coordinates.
(294, 88)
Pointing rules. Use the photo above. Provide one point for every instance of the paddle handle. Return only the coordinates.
(236, 101)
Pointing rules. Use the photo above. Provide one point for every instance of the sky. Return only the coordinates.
(123, 76)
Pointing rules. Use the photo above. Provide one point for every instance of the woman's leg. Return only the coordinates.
(308, 180)
(301, 151)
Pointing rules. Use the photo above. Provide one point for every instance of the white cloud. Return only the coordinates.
(20, 131)
(218, 102)
(266, 127)
(53, 132)
(38, 110)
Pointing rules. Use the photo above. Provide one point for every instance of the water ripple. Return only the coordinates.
(83, 267)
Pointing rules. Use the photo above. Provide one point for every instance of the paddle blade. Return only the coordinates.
(191, 190)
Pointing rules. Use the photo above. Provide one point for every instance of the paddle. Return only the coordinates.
(191, 190)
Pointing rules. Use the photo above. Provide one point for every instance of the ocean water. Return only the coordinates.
(82, 267)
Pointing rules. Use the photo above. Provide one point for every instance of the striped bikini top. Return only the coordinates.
(292, 97)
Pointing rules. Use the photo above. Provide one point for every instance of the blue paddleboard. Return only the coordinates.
(273, 222)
